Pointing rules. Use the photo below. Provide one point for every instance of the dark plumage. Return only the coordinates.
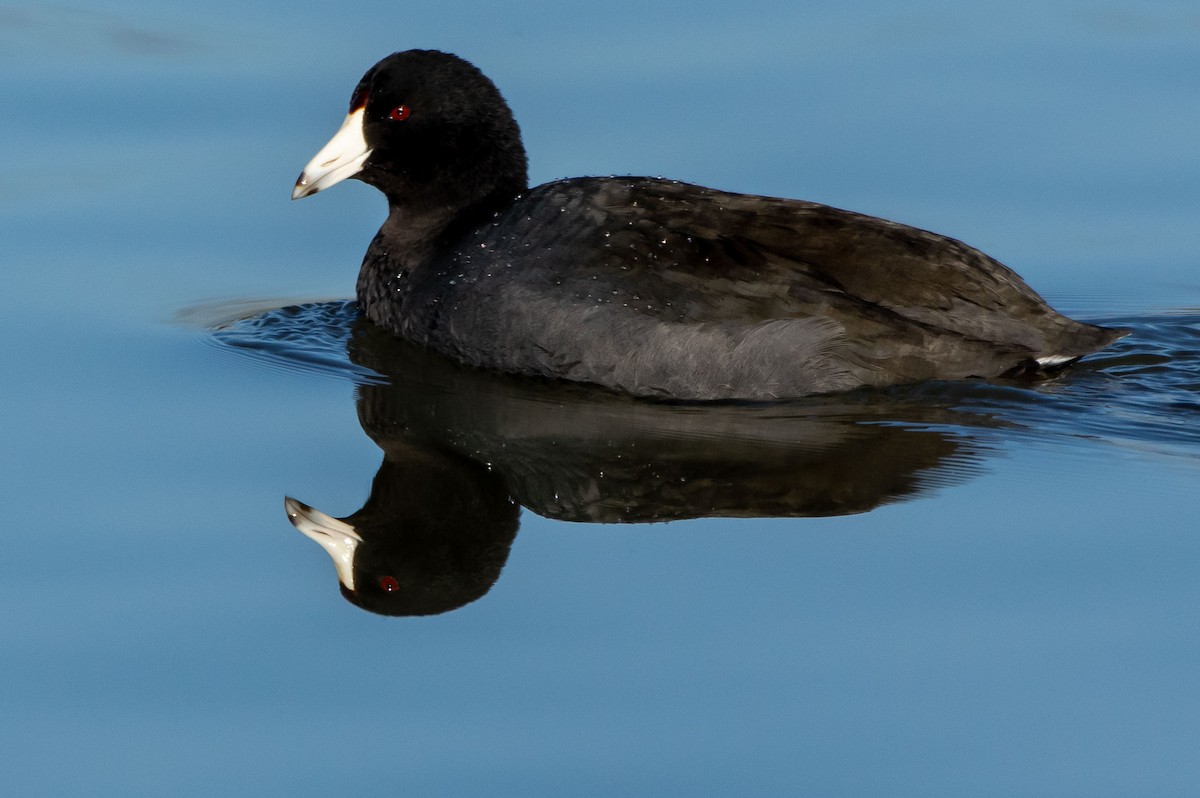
(650, 286)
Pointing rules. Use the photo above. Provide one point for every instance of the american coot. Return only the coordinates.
(650, 286)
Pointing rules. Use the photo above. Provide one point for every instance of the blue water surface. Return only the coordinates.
(1018, 619)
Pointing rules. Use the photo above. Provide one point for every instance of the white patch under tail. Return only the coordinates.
(1050, 361)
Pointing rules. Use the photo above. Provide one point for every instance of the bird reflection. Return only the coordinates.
(465, 449)
(433, 535)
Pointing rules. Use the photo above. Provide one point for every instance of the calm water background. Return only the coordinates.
(1033, 629)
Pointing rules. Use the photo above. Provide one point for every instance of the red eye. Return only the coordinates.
(399, 113)
(389, 584)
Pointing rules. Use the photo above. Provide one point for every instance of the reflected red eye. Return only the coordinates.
(400, 113)
(389, 584)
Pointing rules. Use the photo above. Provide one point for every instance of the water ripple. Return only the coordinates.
(310, 337)
(1142, 393)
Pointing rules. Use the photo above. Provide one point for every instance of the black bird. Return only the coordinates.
(650, 286)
